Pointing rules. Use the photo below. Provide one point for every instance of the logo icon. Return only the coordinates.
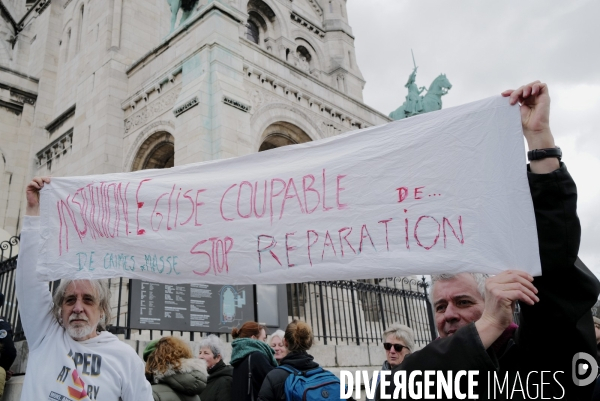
(78, 392)
(584, 368)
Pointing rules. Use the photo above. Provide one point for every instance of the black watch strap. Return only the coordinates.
(539, 154)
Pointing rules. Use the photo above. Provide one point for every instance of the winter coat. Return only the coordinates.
(261, 366)
(273, 388)
(184, 384)
(8, 353)
(218, 387)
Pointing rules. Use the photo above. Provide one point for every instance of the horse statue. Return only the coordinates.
(432, 101)
(186, 6)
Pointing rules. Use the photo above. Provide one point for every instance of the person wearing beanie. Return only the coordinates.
(251, 359)
(150, 347)
(173, 371)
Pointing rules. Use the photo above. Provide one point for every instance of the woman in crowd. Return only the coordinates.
(398, 341)
(298, 338)
(174, 373)
(220, 375)
(276, 342)
(251, 359)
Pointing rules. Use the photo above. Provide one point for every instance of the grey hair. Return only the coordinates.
(478, 277)
(401, 332)
(102, 291)
(278, 333)
(214, 344)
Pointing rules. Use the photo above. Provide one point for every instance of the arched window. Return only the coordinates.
(252, 32)
(158, 151)
(282, 134)
(162, 156)
(262, 24)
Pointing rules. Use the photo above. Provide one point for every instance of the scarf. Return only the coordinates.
(242, 347)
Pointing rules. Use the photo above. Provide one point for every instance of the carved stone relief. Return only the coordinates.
(236, 104)
(330, 129)
(258, 97)
(303, 63)
(158, 106)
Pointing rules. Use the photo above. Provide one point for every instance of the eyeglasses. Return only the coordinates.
(397, 347)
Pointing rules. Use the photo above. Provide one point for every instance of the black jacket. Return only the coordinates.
(218, 387)
(274, 385)
(260, 368)
(553, 330)
(8, 353)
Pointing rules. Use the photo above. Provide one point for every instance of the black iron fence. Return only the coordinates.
(8, 266)
(358, 312)
(340, 312)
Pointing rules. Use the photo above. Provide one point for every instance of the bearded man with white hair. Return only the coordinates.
(71, 356)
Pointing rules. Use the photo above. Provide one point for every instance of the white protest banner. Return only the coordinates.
(441, 192)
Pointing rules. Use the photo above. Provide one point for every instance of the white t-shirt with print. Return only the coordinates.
(60, 368)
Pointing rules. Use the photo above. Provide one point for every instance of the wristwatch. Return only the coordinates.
(539, 154)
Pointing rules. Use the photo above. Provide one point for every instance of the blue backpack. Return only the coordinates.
(311, 385)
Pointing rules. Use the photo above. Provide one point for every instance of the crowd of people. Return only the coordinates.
(176, 375)
(252, 375)
(71, 355)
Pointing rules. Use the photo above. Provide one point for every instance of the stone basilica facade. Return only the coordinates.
(103, 86)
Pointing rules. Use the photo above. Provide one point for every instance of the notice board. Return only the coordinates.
(190, 307)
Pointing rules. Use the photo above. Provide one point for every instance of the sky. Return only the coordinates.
(485, 48)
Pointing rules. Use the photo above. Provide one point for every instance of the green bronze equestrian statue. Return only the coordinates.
(417, 104)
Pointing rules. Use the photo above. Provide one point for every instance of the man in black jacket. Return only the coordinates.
(475, 323)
